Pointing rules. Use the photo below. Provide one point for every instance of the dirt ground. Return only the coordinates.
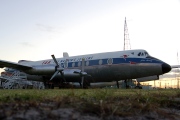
(52, 111)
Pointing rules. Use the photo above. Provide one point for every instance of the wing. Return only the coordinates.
(14, 65)
(175, 66)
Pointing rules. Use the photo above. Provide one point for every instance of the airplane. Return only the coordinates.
(92, 68)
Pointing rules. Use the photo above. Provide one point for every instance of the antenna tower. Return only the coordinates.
(177, 58)
(127, 45)
(178, 72)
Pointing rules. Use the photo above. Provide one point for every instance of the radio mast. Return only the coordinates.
(177, 72)
(127, 45)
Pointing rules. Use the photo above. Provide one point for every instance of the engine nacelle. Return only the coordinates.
(50, 70)
(41, 70)
(72, 72)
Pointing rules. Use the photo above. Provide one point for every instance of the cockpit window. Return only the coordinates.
(146, 54)
(142, 54)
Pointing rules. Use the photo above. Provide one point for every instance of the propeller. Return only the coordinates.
(57, 69)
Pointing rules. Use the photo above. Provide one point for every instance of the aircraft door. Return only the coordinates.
(65, 65)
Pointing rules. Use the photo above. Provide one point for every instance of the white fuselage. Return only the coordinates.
(105, 67)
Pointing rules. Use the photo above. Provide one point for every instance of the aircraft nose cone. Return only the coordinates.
(166, 68)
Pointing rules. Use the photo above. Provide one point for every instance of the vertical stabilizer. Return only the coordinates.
(65, 54)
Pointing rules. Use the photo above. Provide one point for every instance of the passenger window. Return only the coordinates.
(73, 64)
(100, 62)
(87, 63)
(79, 64)
(110, 61)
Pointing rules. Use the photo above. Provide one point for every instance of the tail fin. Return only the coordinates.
(65, 54)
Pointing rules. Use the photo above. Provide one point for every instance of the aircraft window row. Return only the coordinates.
(109, 62)
(79, 64)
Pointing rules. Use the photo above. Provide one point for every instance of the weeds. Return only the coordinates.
(100, 102)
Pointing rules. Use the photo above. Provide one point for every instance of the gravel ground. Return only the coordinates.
(51, 111)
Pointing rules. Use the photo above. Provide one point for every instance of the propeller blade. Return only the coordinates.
(117, 83)
(82, 72)
(62, 74)
(83, 63)
(82, 81)
(55, 60)
(54, 75)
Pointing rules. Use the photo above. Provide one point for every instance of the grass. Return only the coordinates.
(101, 102)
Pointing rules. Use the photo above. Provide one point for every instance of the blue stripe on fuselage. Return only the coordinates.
(118, 61)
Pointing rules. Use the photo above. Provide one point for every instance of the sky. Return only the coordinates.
(36, 29)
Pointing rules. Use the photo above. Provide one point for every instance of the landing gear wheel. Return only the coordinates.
(138, 87)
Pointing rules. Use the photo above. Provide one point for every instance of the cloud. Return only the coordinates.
(26, 44)
(46, 28)
(50, 29)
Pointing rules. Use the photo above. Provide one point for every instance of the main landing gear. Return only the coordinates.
(138, 86)
(85, 84)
